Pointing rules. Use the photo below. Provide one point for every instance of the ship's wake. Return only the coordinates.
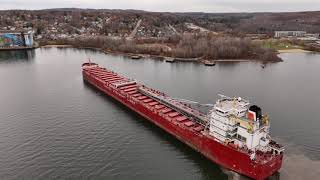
(296, 166)
(299, 166)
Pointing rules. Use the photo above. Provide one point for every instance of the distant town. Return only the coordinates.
(181, 35)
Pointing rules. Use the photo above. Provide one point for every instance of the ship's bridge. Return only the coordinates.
(232, 120)
(231, 106)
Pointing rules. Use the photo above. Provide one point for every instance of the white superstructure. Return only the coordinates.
(233, 121)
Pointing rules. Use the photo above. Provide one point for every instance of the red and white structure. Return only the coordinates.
(233, 134)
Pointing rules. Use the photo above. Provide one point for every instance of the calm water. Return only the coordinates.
(53, 126)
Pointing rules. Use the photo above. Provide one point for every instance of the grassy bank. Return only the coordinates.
(277, 44)
(289, 45)
(293, 51)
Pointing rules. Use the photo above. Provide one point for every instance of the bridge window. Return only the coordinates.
(241, 138)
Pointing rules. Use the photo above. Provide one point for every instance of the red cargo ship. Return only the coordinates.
(232, 134)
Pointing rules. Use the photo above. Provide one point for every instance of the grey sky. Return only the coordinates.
(171, 5)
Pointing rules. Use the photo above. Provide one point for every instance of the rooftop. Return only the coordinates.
(227, 104)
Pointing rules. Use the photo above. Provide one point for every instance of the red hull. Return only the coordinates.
(226, 156)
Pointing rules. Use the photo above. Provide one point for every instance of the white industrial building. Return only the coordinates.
(280, 34)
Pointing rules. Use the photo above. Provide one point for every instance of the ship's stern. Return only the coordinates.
(269, 168)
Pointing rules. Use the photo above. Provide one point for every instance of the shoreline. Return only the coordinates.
(157, 57)
(57, 46)
(293, 51)
(17, 48)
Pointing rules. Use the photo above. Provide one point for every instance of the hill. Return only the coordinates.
(157, 24)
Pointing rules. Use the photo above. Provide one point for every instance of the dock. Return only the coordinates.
(8, 48)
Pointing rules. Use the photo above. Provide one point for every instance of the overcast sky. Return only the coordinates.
(171, 5)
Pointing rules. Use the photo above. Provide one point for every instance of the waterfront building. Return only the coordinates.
(16, 39)
(280, 34)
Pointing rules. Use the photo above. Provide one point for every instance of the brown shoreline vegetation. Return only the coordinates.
(187, 46)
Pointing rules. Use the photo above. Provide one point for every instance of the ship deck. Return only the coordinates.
(158, 102)
(185, 123)
(178, 114)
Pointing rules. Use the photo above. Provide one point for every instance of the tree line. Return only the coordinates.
(208, 46)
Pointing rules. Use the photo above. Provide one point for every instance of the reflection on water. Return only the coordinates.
(52, 126)
(17, 55)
